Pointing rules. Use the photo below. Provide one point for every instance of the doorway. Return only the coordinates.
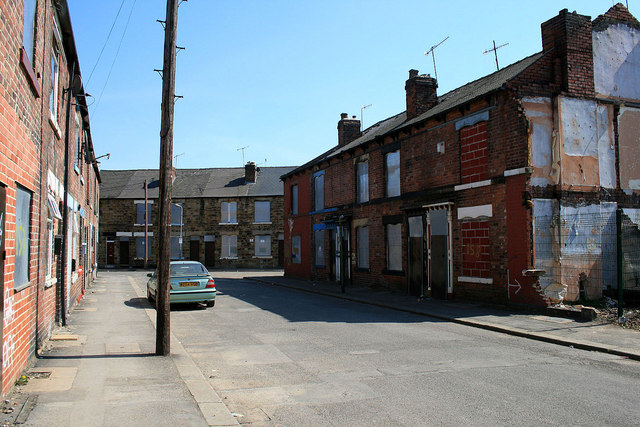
(439, 235)
(416, 257)
(281, 251)
(194, 248)
(124, 251)
(209, 251)
(111, 253)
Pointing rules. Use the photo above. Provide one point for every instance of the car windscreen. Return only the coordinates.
(188, 270)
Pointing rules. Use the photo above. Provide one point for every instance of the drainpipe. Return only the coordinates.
(65, 215)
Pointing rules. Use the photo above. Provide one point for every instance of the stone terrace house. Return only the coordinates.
(49, 180)
(222, 217)
(472, 193)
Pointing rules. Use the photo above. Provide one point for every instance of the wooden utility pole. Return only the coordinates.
(146, 226)
(163, 321)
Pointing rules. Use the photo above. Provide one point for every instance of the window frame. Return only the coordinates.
(394, 260)
(362, 254)
(294, 199)
(177, 206)
(21, 277)
(257, 220)
(268, 246)
(55, 84)
(318, 196)
(392, 181)
(226, 214)
(226, 242)
(30, 12)
(362, 184)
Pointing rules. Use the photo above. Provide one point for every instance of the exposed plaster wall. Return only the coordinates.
(587, 135)
(572, 241)
(544, 151)
(616, 61)
(629, 145)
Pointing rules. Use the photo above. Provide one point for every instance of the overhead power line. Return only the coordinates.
(105, 42)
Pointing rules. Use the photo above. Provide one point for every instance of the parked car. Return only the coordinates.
(190, 282)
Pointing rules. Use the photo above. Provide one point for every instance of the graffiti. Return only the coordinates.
(21, 241)
(8, 351)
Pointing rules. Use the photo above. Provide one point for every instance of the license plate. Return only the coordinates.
(187, 284)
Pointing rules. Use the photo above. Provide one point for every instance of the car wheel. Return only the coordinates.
(211, 303)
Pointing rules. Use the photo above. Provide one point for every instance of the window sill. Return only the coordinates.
(142, 225)
(393, 272)
(50, 282)
(262, 257)
(30, 74)
(229, 257)
(227, 223)
(54, 124)
(263, 223)
(22, 287)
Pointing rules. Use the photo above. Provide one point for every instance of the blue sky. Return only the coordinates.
(274, 76)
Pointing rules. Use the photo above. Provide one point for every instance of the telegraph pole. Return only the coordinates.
(163, 323)
(146, 226)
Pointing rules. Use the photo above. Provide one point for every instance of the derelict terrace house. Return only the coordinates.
(49, 180)
(222, 217)
(503, 190)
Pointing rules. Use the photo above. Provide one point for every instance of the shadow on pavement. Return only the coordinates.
(140, 302)
(297, 306)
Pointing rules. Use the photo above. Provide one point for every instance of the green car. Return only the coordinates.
(190, 282)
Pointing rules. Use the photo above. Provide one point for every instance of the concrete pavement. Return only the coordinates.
(101, 369)
(585, 335)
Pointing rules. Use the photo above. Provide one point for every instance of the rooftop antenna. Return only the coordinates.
(175, 158)
(495, 51)
(433, 55)
(242, 149)
(364, 107)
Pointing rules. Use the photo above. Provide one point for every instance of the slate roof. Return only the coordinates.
(449, 100)
(193, 183)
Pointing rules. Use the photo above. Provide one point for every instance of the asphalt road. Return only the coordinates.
(283, 357)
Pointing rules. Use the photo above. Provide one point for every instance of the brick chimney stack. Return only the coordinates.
(348, 129)
(568, 37)
(250, 172)
(421, 93)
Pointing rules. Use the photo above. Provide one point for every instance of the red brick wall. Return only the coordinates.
(473, 153)
(475, 248)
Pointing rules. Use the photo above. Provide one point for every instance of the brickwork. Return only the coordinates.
(32, 147)
(477, 174)
(473, 153)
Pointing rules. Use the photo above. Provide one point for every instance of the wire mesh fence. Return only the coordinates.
(578, 249)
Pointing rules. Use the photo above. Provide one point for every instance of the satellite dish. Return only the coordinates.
(76, 86)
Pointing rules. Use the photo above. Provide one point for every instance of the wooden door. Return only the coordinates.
(111, 253)
(194, 250)
(210, 254)
(124, 252)
(416, 263)
(281, 253)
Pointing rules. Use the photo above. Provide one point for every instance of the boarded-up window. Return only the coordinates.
(263, 245)
(23, 205)
(394, 247)
(140, 247)
(176, 247)
(475, 248)
(363, 247)
(262, 212)
(230, 246)
(295, 250)
(140, 213)
(363, 182)
(229, 212)
(318, 236)
(473, 152)
(294, 200)
(393, 173)
(318, 191)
